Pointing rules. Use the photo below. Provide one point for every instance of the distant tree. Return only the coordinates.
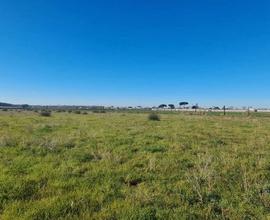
(171, 106)
(183, 104)
(162, 106)
(5, 104)
(25, 106)
(195, 106)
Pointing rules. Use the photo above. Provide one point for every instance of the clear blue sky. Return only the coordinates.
(139, 52)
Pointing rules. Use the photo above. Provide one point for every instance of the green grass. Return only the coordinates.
(123, 166)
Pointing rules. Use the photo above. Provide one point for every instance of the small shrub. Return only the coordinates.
(153, 117)
(155, 149)
(99, 111)
(133, 180)
(45, 113)
(77, 112)
(85, 113)
(84, 157)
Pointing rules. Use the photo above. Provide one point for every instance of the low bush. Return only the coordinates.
(153, 117)
(45, 113)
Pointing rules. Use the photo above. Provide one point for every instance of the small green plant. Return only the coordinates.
(77, 112)
(153, 117)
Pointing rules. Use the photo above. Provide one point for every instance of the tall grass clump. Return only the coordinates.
(153, 117)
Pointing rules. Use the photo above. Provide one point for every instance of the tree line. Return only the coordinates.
(181, 105)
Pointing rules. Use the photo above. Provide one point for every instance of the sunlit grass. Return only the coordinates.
(124, 166)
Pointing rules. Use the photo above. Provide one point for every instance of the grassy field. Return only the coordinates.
(123, 166)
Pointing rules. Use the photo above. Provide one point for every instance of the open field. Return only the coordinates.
(123, 166)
